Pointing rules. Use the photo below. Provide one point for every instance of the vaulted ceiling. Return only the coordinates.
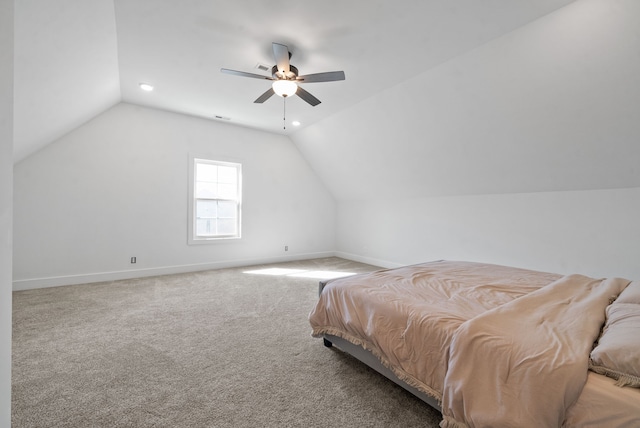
(75, 58)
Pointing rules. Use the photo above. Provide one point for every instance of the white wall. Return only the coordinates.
(6, 176)
(593, 232)
(545, 115)
(117, 187)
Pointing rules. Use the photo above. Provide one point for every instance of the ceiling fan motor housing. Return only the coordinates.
(292, 74)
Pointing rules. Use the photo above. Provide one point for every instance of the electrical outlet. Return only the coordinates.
(286, 248)
(133, 259)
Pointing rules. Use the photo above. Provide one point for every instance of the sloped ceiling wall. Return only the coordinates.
(551, 106)
(66, 63)
(76, 58)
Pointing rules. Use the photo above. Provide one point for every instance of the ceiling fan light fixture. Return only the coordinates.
(285, 88)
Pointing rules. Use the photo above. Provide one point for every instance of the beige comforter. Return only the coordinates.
(407, 316)
(525, 363)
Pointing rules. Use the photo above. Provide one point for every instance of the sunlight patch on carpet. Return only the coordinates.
(300, 273)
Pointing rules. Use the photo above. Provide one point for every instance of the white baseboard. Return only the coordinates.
(56, 281)
(368, 260)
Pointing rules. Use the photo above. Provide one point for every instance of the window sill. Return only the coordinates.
(206, 241)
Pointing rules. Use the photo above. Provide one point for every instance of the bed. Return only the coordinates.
(493, 345)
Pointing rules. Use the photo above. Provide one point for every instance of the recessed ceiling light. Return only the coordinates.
(146, 87)
(295, 123)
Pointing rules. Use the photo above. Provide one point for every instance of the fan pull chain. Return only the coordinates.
(284, 112)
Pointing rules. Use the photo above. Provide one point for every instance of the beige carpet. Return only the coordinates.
(209, 349)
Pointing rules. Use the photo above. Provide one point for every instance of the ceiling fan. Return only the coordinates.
(286, 79)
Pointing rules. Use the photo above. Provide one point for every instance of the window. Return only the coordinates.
(215, 200)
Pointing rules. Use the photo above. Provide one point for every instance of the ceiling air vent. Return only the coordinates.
(263, 67)
(221, 117)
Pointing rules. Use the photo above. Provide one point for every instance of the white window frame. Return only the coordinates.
(193, 238)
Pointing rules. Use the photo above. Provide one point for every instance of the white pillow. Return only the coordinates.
(631, 294)
(617, 353)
